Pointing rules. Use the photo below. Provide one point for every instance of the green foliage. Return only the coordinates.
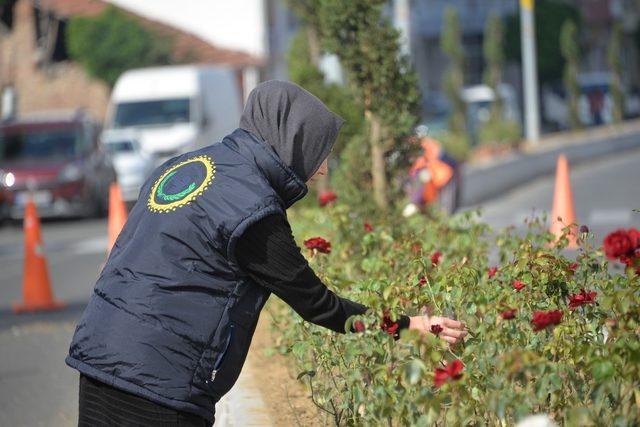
(500, 132)
(456, 145)
(496, 131)
(615, 65)
(368, 48)
(451, 44)
(111, 43)
(584, 371)
(571, 54)
(380, 77)
(549, 17)
(305, 73)
(494, 58)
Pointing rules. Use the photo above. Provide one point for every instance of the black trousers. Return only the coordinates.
(103, 405)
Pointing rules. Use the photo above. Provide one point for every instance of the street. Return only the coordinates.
(604, 192)
(36, 387)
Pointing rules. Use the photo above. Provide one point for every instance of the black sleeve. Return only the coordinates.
(268, 253)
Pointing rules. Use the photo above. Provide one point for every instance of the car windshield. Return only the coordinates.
(123, 146)
(39, 144)
(148, 113)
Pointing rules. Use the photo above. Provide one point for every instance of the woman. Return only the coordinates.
(170, 322)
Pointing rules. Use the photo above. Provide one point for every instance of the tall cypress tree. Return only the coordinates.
(571, 54)
(493, 50)
(451, 44)
(615, 66)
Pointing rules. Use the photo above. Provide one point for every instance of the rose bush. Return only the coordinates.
(549, 331)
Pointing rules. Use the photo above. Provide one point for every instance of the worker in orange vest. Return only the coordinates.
(433, 178)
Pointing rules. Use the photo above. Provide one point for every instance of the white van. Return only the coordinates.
(176, 109)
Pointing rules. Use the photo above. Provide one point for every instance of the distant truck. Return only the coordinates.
(175, 109)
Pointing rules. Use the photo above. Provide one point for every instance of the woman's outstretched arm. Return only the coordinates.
(269, 254)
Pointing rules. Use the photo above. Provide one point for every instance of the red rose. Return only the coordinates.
(388, 325)
(544, 319)
(422, 281)
(518, 285)
(582, 298)
(367, 227)
(573, 267)
(358, 325)
(435, 258)
(318, 244)
(492, 272)
(436, 329)
(452, 371)
(326, 197)
(621, 243)
(509, 314)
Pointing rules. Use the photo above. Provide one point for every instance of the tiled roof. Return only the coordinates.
(186, 47)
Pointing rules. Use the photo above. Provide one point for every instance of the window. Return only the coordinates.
(149, 113)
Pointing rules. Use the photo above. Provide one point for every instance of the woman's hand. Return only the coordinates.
(452, 330)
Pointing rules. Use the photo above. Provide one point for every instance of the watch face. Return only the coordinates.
(181, 184)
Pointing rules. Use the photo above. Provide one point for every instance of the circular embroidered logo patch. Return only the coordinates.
(181, 183)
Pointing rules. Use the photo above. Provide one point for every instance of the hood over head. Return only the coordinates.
(296, 124)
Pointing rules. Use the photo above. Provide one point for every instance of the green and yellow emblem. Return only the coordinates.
(181, 184)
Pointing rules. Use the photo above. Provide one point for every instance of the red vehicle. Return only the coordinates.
(55, 160)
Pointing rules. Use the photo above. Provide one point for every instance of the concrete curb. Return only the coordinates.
(484, 182)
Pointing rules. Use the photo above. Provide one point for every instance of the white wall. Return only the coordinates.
(232, 24)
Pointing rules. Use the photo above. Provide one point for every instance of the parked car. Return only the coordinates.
(132, 164)
(53, 158)
(176, 109)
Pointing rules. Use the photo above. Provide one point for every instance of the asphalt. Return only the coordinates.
(605, 194)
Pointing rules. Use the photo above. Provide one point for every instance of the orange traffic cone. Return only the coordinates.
(36, 286)
(117, 214)
(563, 213)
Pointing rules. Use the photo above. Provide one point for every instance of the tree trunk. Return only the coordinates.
(378, 172)
(314, 45)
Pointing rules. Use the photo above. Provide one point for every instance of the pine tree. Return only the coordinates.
(382, 79)
(451, 44)
(571, 54)
(615, 65)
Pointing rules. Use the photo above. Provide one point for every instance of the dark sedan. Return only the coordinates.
(56, 161)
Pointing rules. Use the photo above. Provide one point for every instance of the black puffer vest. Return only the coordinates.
(172, 315)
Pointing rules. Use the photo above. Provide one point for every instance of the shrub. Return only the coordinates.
(455, 144)
(111, 43)
(564, 342)
(500, 132)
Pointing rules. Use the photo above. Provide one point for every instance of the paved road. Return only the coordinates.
(605, 194)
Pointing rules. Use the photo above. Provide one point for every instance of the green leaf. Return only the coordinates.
(414, 370)
(602, 371)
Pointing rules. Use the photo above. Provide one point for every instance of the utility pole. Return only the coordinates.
(402, 23)
(529, 71)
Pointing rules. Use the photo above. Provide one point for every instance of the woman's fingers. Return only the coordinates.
(453, 324)
(448, 339)
(453, 333)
